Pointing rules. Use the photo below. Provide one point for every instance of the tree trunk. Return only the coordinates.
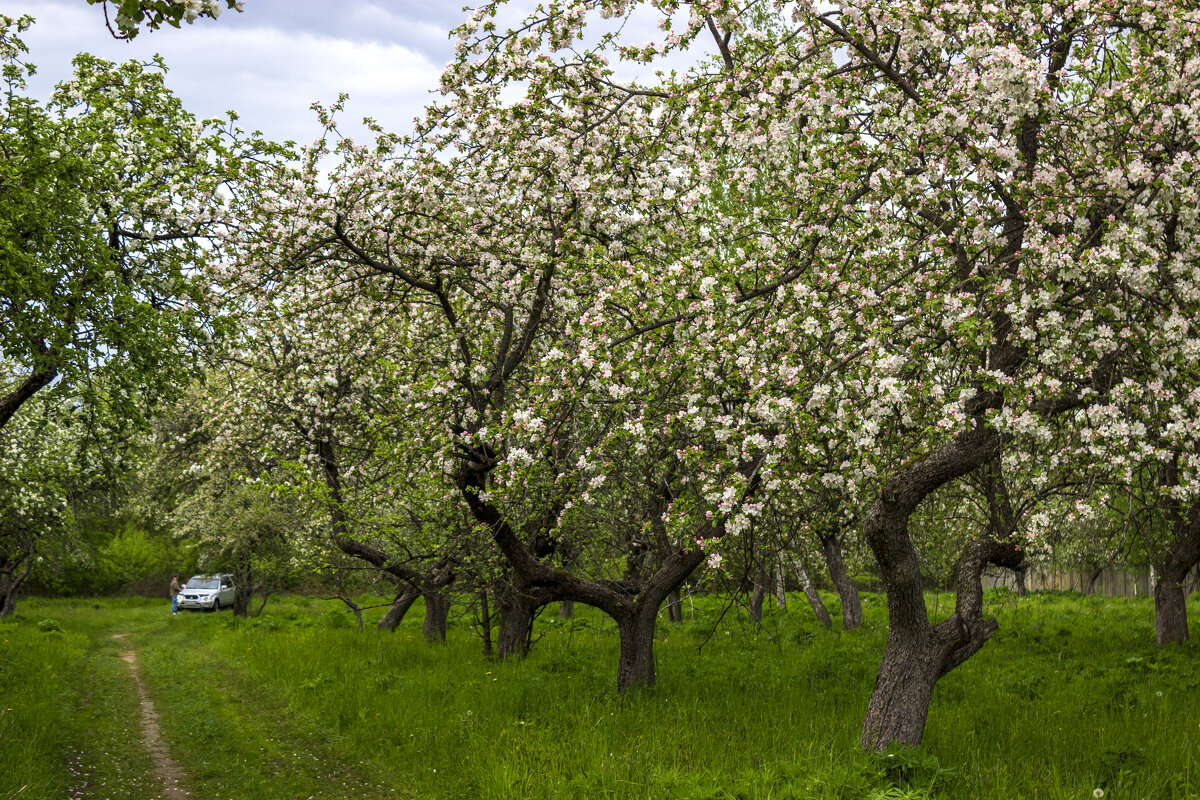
(8, 601)
(632, 604)
(566, 609)
(900, 701)
(758, 594)
(831, 547)
(437, 611)
(1020, 576)
(635, 667)
(780, 584)
(1181, 556)
(485, 622)
(41, 376)
(674, 608)
(918, 653)
(400, 606)
(241, 602)
(1170, 611)
(810, 593)
(10, 586)
(516, 620)
(1094, 575)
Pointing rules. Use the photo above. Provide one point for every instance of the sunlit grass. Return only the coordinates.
(1069, 698)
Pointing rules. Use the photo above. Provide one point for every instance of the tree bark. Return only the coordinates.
(635, 665)
(1170, 612)
(485, 622)
(428, 584)
(241, 602)
(11, 579)
(516, 623)
(780, 583)
(633, 604)
(674, 607)
(1180, 556)
(437, 612)
(399, 608)
(1019, 572)
(831, 547)
(758, 594)
(566, 609)
(918, 653)
(810, 593)
(39, 378)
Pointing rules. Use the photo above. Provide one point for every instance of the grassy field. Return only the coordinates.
(1070, 698)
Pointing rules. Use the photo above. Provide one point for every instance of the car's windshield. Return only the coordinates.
(203, 583)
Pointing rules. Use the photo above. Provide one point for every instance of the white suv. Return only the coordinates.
(207, 592)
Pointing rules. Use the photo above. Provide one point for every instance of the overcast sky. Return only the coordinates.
(272, 61)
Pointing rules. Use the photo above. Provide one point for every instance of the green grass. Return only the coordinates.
(1071, 696)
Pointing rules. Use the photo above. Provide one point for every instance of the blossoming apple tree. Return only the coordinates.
(936, 233)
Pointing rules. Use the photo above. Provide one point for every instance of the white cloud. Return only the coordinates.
(268, 75)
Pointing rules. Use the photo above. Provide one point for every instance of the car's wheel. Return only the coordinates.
(216, 606)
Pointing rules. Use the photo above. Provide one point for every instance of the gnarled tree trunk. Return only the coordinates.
(633, 604)
(399, 607)
(831, 548)
(437, 613)
(918, 652)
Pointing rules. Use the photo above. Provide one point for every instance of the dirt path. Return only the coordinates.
(165, 767)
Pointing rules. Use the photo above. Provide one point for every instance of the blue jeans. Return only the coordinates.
(174, 604)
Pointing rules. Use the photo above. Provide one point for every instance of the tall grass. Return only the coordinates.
(1070, 697)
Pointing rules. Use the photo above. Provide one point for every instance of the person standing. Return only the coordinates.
(175, 590)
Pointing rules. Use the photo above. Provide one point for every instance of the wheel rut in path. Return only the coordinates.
(166, 768)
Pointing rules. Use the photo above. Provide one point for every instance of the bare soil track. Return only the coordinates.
(165, 767)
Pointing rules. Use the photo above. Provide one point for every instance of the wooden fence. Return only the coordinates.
(1112, 581)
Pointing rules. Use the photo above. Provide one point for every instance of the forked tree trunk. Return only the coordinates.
(918, 652)
(437, 612)
(632, 604)
(831, 548)
(810, 594)
(1093, 576)
(399, 608)
(566, 609)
